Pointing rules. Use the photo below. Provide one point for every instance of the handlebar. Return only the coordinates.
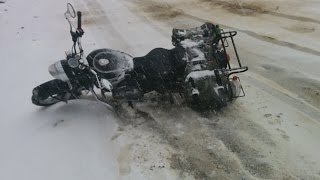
(79, 14)
(75, 34)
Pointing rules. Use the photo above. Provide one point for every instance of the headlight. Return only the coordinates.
(56, 70)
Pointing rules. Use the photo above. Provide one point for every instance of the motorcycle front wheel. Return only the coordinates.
(50, 93)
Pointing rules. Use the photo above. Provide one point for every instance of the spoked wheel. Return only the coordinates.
(50, 93)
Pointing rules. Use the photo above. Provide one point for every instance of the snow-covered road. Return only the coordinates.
(272, 133)
(59, 142)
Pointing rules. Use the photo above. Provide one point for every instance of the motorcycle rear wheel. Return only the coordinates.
(50, 93)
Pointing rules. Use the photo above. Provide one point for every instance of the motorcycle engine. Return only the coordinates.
(206, 83)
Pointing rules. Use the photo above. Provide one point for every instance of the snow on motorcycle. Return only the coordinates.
(198, 68)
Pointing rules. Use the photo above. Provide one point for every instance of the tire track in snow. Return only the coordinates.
(292, 17)
(166, 12)
(210, 147)
(262, 37)
(255, 8)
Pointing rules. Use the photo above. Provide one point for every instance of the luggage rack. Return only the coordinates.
(240, 69)
(225, 43)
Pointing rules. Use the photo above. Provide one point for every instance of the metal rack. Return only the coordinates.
(224, 41)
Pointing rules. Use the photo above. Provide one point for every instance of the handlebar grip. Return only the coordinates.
(79, 14)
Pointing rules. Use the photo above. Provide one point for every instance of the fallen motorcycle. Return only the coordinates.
(198, 68)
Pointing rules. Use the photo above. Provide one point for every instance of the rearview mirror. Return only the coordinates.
(70, 11)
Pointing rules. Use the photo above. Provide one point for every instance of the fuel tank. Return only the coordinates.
(110, 64)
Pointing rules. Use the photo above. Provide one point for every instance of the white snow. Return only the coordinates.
(199, 74)
(65, 141)
(194, 53)
(84, 139)
(182, 32)
(188, 43)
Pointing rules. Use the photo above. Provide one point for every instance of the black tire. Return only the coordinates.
(50, 93)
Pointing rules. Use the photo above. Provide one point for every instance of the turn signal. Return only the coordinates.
(235, 78)
(228, 57)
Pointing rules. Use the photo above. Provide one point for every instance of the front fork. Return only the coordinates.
(104, 85)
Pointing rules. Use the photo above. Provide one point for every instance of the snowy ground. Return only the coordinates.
(272, 133)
